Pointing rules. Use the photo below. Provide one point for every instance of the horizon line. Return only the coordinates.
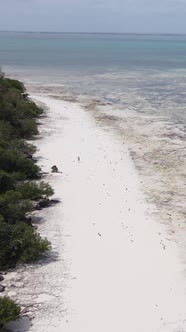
(97, 33)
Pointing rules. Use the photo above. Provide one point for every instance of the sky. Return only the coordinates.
(128, 16)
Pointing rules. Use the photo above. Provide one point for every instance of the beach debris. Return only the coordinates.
(1, 277)
(54, 169)
(79, 159)
(2, 288)
(24, 310)
(54, 201)
(43, 203)
(99, 234)
(46, 202)
(25, 96)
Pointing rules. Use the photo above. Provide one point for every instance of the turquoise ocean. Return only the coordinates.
(134, 85)
(150, 68)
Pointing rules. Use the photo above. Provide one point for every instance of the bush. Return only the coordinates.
(19, 243)
(23, 148)
(12, 161)
(2, 74)
(9, 310)
(19, 112)
(32, 246)
(10, 83)
(34, 191)
(27, 128)
(29, 109)
(12, 208)
(6, 182)
(6, 130)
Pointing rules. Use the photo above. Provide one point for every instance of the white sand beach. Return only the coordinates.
(113, 268)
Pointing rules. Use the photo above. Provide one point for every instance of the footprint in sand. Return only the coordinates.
(162, 244)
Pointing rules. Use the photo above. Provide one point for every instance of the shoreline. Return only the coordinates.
(110, 265)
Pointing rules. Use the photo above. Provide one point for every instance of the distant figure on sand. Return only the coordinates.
(79, 159)
(54, 169)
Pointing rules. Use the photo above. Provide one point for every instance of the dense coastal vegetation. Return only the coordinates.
(20, 193)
